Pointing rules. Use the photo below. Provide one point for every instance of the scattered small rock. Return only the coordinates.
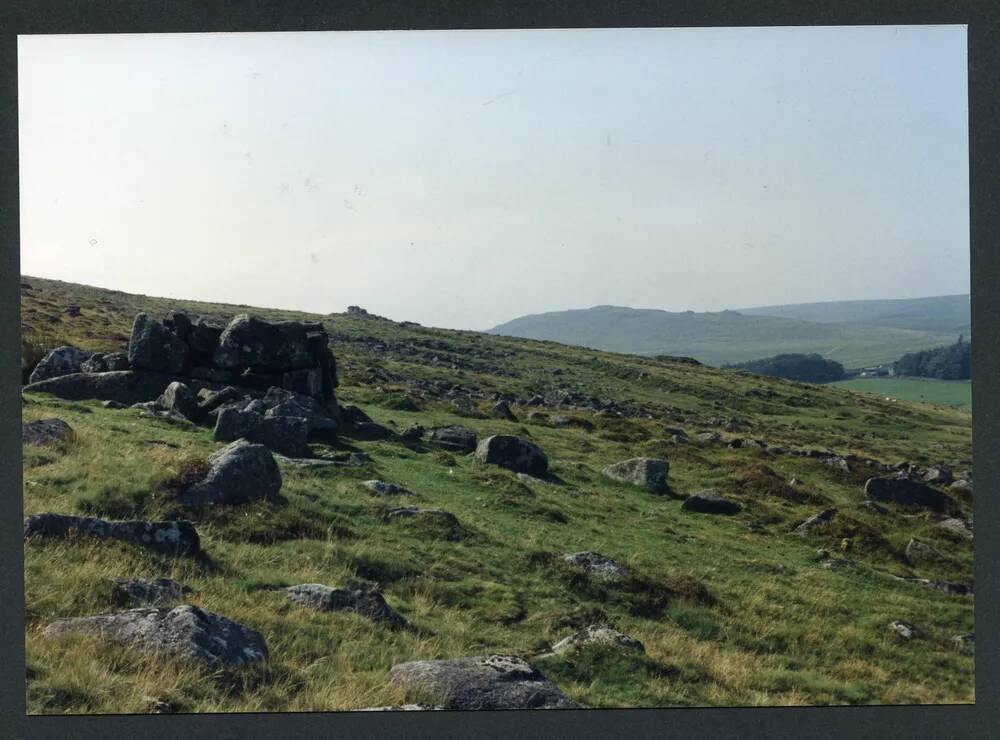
(647, 472)
(597, 634)
(904, 630)
(596, 565)
(455, 437)
(920, 552)
(383, 488)
(814, 522)
(240, 472)
(955, 527)
(513, 453)
(367, 603)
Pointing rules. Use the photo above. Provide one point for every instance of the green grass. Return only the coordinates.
(729, 614)
(956, 393)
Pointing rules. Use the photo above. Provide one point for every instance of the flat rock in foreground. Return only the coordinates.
(490, 682)
(168, 538)
(240, 472)
(367, 603)
(123, 386)
(647, 472)
(185, 632)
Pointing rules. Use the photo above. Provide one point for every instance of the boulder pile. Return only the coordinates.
(248, 353)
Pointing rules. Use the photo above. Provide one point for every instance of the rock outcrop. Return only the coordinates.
(185, 633)
(248, 353)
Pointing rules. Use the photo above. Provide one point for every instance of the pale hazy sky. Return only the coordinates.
(463, 178)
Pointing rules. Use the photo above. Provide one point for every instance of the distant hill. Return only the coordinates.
(946, 313)
(721, 337)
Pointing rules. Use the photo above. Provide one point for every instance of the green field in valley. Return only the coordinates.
(922, 390)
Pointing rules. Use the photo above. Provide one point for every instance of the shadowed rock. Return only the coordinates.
(907, 493)
(156, 592)
(169, 538)
(501, 410)
(455, 437)
(240, 472)
(184, 633)
(45, 432)
(490, 682)
(178, 398)
(647, 472)
(124, 386)
(513, 453)
(154, 347)
(367, 603)
(710, 502)
(64, 360)
(284, 434)
(412, 512)
(266, 347)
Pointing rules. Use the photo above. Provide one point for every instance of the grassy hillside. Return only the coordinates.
(719, 338)
(732, 610)
(923, 390)
(939, 314)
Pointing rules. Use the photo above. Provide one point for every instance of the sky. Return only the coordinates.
(463, 178)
